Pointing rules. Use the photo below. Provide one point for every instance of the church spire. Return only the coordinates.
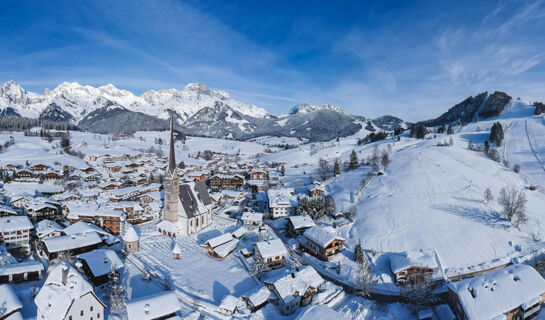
(171, 157)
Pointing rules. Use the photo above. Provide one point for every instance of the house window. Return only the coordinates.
(91, 308)
(98, 315)
(81, 313)
(70, 318)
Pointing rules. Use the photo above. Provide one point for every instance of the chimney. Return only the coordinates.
(64, 274)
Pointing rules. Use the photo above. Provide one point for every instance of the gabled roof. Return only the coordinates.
(9, 301)
(403, 260)
(321, 236)
(55, 297)
(15, 223)
(271, 248)
(287, 285)
(490, 295)
(101, 261)
(70, 242)
(153, 306)
(299, 222)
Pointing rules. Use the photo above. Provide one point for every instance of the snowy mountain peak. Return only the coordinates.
(197, 87)
(306, 108)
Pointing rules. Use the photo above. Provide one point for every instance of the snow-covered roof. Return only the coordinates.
(229, 303)
(45, 227)
(15, 223)
(282, 197)
(321, 236)
(318, 312)
(9, 301)
(70, 242)
(22, 267)
(131, 235)
(271, 248)
(55, 297)
(258, 296)
(7, 209)
(490, 295)
(238, 232)
(36, 205)
(177, 249)
(219, 240)
(299, 222)
(403, 260)
(299, 281)
(252, 216)
(226, 248)
(152, 306)
(82, 227)
(101, 261)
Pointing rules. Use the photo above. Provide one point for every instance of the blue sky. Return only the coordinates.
(413, 59)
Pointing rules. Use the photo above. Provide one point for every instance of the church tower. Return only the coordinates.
(172, 181)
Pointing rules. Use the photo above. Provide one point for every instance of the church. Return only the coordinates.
(187, 207)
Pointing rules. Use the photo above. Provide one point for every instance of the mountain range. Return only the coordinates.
(200, 111)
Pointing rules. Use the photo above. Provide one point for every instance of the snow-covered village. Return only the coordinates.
(272, 194)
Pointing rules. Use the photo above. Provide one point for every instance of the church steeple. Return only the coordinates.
(172, 156)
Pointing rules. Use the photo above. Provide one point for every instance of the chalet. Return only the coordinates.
(98, 265)
(11, 305)
(296, 289)
(6, 211)
(258, 175)
(19, 202)
(221, 246)
(199, 175)
(164, 305)
(112, 167)
(252, 219)
(108, 186)
(317, 190)
(15, 231)
(272, 253)
(514, 292)
(141, 181)
(226, 181)
(29, 270)
(66, 196)
(12, 166)
(87, 169)
(49, 190)
(257, 298)
(51, 175)
(25, 174)
(321, 243)
(152, 187)
(39, 210)
(48, 229)
(67, 295)
(73, 244)
(124, 194)
(414, 267)
(297, 225)
(150, 197)
(38, 167)
(282, 202)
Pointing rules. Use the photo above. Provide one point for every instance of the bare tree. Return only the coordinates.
(323, 169)
(364, 276)
(513, 204)
(116, 293)
(385, 160)
(487, 196)
(516, 168)
(259, 267)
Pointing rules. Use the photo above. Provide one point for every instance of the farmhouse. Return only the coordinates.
(39, 210)
(257, 298)
(514, 292)
(258, 175)
(67, 295)
(321, 243)
(414, 267)
(297, 225)
(6, 211)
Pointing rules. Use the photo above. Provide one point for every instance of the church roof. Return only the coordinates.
(194, 197)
